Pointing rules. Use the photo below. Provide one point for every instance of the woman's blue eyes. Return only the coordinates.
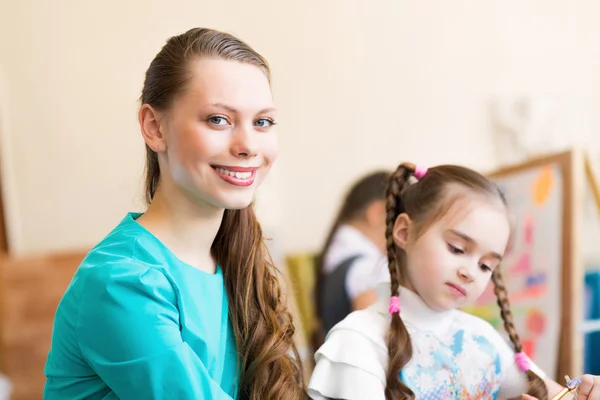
(266, 121)
(222, 121)
(217, 121)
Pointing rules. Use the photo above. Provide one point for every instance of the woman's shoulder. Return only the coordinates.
(125, 257)
(127, 250)
(116, 282)
(128, 242)
(131, 258)
(99, 291)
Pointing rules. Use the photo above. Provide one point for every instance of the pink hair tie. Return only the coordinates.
(394, 305)
(420, 171)
(523, 361)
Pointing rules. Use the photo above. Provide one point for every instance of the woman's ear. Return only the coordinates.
(401, 228)
(151, 128)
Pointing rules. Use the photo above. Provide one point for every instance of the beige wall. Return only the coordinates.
(360, 85)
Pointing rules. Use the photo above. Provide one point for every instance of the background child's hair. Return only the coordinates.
(361, 194)
(426, 202)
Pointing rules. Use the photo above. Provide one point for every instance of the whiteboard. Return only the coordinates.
(532, 268)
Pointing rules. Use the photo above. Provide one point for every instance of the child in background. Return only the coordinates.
(349, 265)
(446, 235)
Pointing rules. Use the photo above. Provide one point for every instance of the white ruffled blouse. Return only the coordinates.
(455, 355)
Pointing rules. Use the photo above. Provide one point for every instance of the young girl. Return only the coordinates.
(355, 246)
(182, 301)
(446, 235)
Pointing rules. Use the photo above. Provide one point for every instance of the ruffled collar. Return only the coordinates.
(414, 311)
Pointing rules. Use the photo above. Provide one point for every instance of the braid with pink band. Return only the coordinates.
(394, 305)
(420, 171)
(523, 361)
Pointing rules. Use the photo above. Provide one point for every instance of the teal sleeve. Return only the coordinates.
(128, 332)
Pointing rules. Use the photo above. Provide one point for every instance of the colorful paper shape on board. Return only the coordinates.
(535, 280)
(542, 186)
(522, 265)
(530, 293)
(536, 322)
(528, 347)
(528, 233)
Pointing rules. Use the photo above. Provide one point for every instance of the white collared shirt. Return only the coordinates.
(365, 272)
(455, 355)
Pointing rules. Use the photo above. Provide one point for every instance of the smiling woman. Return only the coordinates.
(182, 301)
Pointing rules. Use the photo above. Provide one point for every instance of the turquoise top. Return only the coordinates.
(137, 323)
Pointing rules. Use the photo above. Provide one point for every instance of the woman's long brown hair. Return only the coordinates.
(425, 202)
(269, 361)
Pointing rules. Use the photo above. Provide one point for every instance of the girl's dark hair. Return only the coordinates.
(270, 365)
(425, 202)
(361, 195)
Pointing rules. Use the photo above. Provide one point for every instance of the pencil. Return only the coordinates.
(562, 393)
(572, 385)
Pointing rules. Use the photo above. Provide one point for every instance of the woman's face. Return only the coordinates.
(219, 136)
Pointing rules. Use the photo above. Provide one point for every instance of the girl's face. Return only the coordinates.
(217, 140)
(450, 264)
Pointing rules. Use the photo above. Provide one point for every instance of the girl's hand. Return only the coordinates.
(589, 389)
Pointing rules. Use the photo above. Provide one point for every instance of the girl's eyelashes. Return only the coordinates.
(455, 250)
(485, 268)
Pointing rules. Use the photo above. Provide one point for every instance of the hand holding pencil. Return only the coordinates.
(585, 388)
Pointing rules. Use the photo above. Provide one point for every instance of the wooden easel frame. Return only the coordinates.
(4, 249)
(577, 170)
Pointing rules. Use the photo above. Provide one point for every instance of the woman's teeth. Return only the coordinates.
(239, 175)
